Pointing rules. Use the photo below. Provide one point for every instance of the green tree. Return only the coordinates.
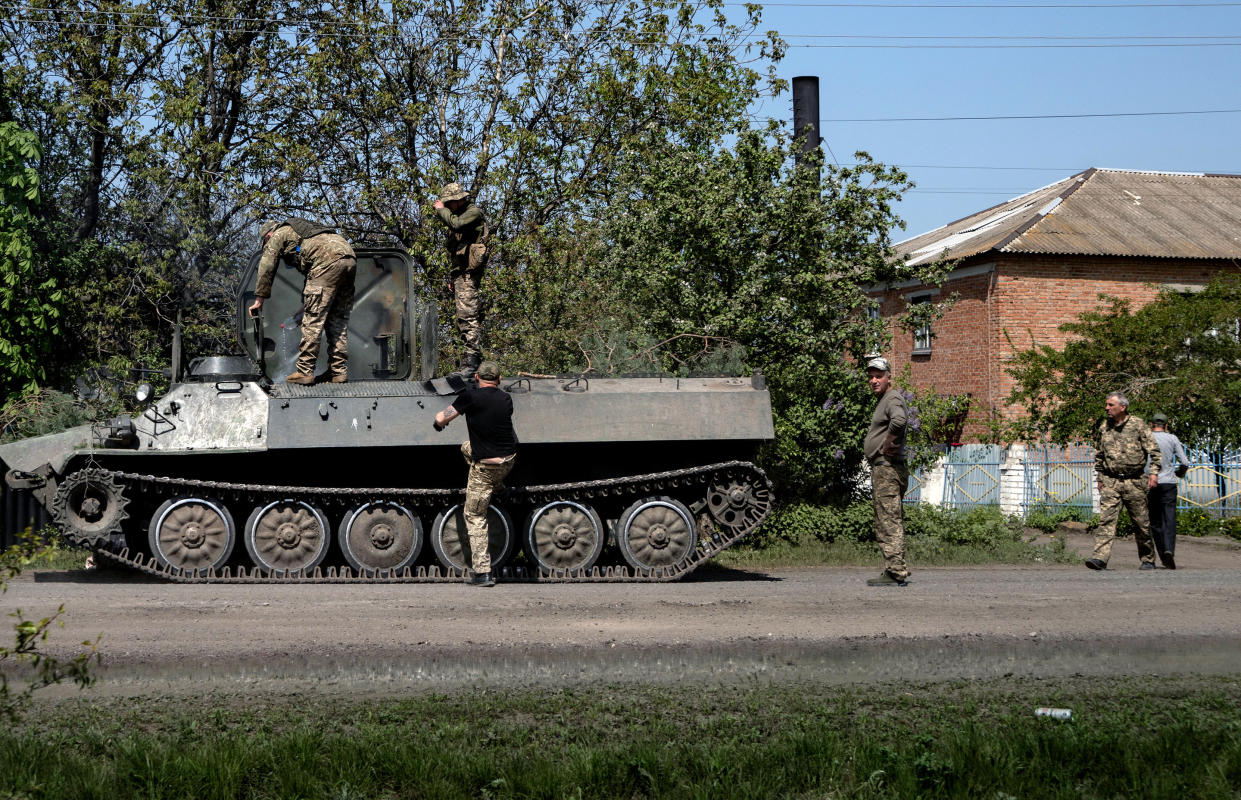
(1179, 354)
(741, 243)
(31, 299)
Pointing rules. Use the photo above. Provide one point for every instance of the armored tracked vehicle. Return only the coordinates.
(230, 477)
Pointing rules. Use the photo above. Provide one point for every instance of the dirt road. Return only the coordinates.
(731, 625)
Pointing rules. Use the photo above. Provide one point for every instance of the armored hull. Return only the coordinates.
(229, 477)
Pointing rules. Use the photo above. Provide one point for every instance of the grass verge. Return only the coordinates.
(1150, 737)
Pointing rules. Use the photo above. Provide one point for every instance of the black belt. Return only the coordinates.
(1122, 475)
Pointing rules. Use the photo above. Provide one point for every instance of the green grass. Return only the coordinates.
(1150, 737)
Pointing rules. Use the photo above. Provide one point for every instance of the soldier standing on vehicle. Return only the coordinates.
(884, 449)
(467, 250)
(329, 264)
(490, 453)
(1124, 451)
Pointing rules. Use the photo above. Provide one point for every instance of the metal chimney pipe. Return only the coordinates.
(806, 113)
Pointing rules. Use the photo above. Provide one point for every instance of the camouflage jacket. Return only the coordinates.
(312, 254)
(1122, 450)
(464, 229)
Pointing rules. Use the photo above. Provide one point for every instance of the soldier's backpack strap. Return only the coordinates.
(306, 228)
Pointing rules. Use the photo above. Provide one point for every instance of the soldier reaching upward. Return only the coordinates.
(467, 249)
(490, 452)
(1124, 451)
(329, 264)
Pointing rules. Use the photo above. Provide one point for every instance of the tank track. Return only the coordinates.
(714, 535)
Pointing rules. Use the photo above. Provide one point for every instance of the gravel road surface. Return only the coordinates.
(727, 625)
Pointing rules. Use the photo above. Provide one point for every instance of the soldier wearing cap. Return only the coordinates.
(1161, 498)
(467, 250)
(329, 264)
(1124, 451)
(884, 449)
(490, 453)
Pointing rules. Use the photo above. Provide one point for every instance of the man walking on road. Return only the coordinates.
(1124, 451)
(490, 453)
(1161, 499)
(884, 449)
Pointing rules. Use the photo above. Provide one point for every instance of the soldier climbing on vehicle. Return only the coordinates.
(329, 264)
(467, 243)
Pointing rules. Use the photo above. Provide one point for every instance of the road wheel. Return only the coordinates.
(287, 536)
(192, 534)
(564, 535)
(655, 533)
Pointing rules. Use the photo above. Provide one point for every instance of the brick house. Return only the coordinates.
(1028, 265)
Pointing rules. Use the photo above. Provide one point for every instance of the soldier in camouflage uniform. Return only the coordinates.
(1125, 453)
(467, 250)
(884, 449)
(329, 264)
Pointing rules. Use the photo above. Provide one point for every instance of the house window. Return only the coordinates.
(922, 334)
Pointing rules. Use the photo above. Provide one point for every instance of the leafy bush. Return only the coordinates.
(983, 526)
(1196, 523)
(40, 411)
(1231, 528)
(804, 522)
(1046, 516)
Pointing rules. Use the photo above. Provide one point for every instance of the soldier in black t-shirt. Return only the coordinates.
(490, 451)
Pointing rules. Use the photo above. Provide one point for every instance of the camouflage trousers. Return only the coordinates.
(469, 319)
(326, 303)
(1132, 493)
(483, 481)
(889, 480)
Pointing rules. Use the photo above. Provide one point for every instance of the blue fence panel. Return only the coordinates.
(972, 475)
(913, 493)
(1213, 483)
(1059, 475)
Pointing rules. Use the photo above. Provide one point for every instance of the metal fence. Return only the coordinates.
(1059, 475)
(18, 511)
(1213, 483)
(972, 475)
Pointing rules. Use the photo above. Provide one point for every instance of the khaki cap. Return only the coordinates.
(488, 371)
(880, 363)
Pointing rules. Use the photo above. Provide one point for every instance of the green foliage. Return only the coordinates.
(1198, 522)
(28, 654)
(41, 411)
(982, 526)
(935, 422)
(804, 522)
(1047, 516)
(741, 243)
(31, 299)
(815, 736)
(1179, 354)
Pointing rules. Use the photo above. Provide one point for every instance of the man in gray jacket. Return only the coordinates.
(1161, 498)
(884, 449)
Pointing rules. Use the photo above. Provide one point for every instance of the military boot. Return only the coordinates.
(887, 579)
(304, 378)
(331, 377)
(469, 365)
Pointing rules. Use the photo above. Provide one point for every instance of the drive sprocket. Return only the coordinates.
(89, 506)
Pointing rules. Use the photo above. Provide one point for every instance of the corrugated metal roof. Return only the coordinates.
(1102, 212)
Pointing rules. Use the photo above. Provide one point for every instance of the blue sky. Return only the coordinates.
(872, 81)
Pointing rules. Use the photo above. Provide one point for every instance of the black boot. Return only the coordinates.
(469, 365)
